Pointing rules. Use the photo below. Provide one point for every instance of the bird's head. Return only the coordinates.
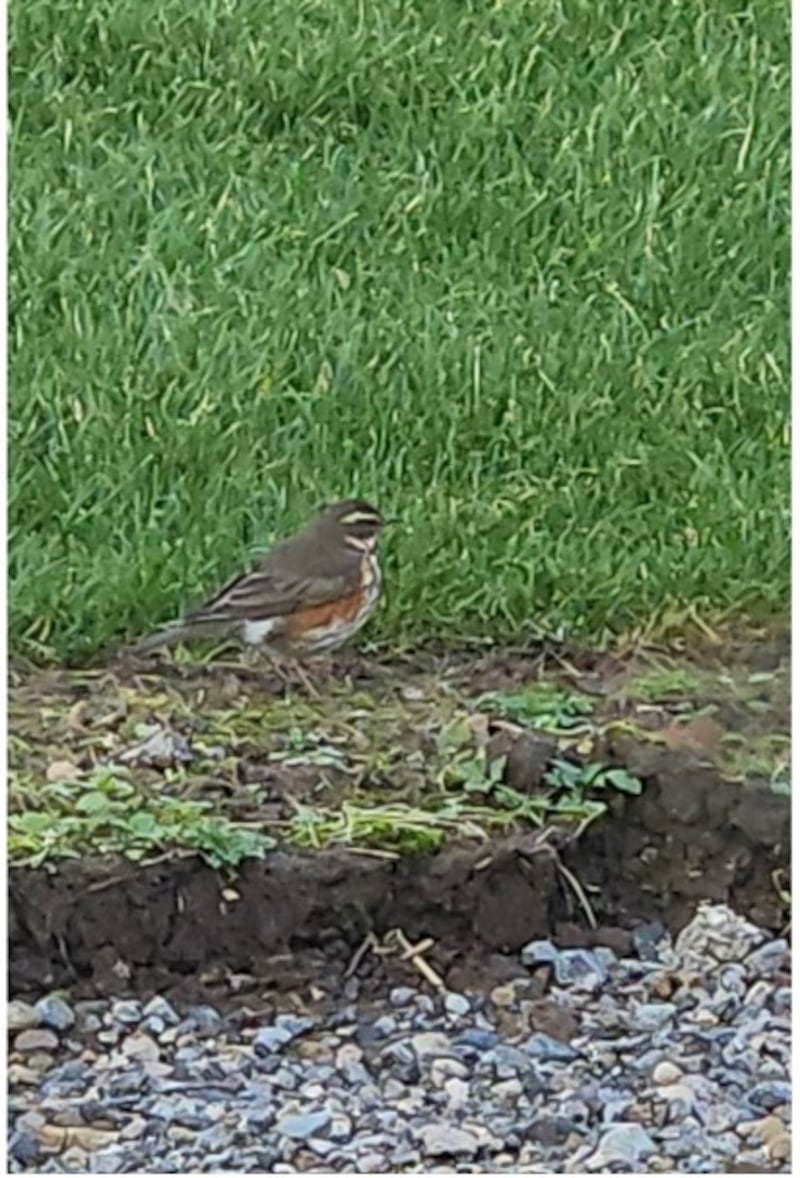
(356, 521)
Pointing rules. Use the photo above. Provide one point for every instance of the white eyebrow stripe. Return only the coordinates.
(359, 517)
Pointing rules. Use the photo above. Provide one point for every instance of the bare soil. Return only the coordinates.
(706, 735)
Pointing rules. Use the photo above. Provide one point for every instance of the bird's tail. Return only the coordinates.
(166, 637)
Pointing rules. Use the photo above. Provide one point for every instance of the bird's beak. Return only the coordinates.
(392, 519)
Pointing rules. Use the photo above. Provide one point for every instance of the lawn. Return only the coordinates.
(516, 271)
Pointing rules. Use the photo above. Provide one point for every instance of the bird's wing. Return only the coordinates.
(265, 593)
(297, 572)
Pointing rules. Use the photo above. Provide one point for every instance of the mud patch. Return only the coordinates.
(294, 919)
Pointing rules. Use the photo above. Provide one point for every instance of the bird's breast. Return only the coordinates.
(324, 627)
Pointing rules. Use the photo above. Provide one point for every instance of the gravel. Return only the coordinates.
(673, 1060)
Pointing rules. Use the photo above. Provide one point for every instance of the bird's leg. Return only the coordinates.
(253, 657)
(304, 679)
(250, 657)
(280, 665)
(276, 666)
(339, 672)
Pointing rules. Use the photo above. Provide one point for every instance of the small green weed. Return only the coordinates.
(572, 778)
(108, 815)
(663, 683)
(571, 787)
(547, 708)
(306, 748)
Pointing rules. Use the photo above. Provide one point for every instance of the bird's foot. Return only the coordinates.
(286, 670)
(304, 679)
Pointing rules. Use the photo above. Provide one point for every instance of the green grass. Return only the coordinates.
(517, 271)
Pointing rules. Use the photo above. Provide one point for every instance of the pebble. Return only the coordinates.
(720, 1117)
(340, 1128)
(158, 1007)
(457, 1004)
(582, 969)
(270, 1039)
(240, 982)
(74, 1159)
(62, 771)
(21, 1016)
(549, 1130)
(140, 1046)
(666, 1072)
(622, 1144)
(506, 1061)
(39, 1039)
(90, 1022)
(534, 953)
(680, 1099)
(69, 1079)
(768, 958)
(446, 1067)
(444, 1139)
(301, 1126)
(457, 1091)
(127, 1012)
(651, 1016)
(771, 1094)
(476, 1039)
(205, 1020)
(134, 1128)
(55, 1012)
(545, 1047)
(780, 1148)
(295, 1024)
(24, 1149)
(430, 1043)
(764, 1129)
(368, 1163)
(508, 994)
(19, 1073)
(401, 996)
(382, 1028)
(507, 1090)
(716, 934)
(649, 940)
(780, 999)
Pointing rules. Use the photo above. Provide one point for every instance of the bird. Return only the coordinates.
(308, 595)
